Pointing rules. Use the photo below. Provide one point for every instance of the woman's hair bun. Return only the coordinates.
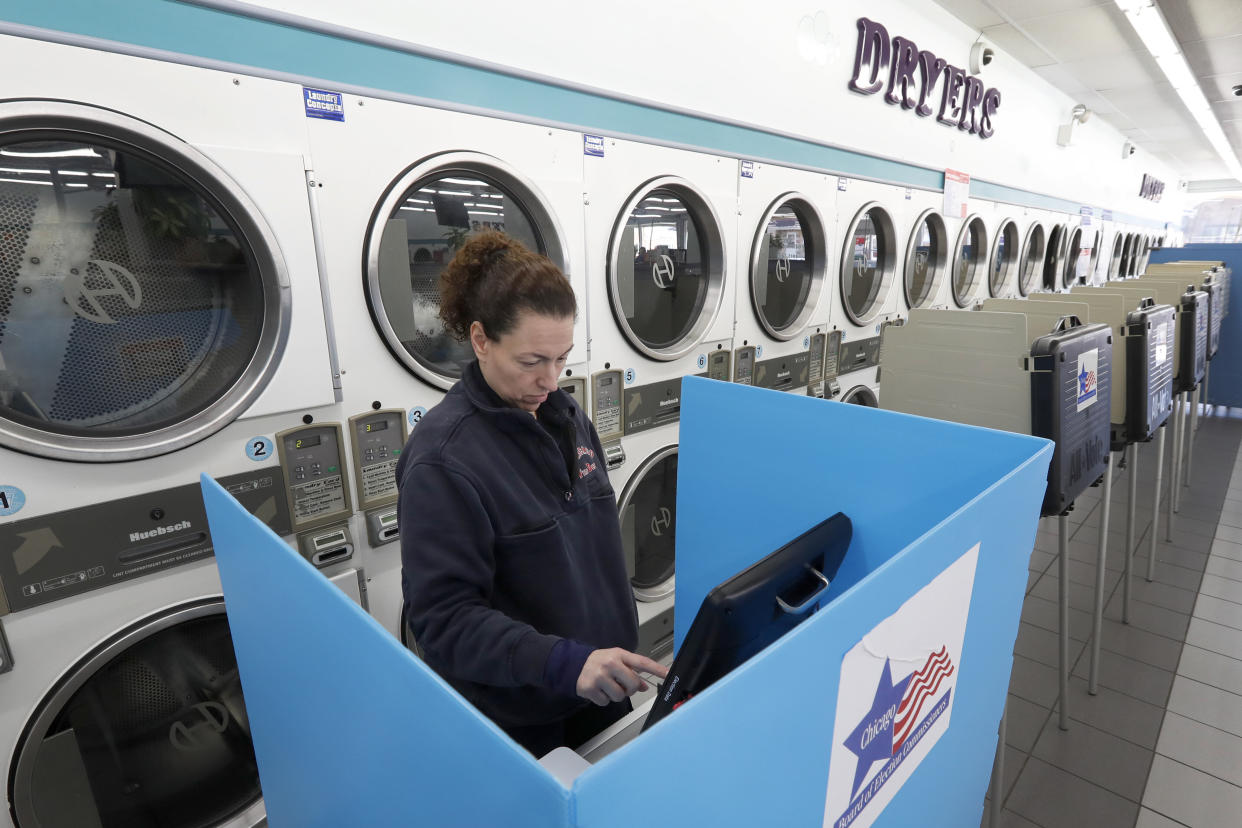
(493, 277)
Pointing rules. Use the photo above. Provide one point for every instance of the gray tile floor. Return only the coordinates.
(1160, 744)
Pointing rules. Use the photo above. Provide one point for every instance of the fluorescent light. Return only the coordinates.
(467, 181)
(71, 172)
(76, 184)
(25, 181)
(83, 152)
(104, 175)
(416, 209)
(455, 192)
(1154, 31)
(25, 172)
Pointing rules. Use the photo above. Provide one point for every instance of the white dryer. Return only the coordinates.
(873, 222)
(783, 295)
(160, 316)
(400, 188)
(661, 236)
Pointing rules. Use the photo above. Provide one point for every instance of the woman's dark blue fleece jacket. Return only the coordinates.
(511, 553)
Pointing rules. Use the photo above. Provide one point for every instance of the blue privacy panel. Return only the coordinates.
(349, 728)
(754, 749)
(1224, 385)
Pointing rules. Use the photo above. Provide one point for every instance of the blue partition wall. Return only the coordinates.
(1225, 383)
(351, 729)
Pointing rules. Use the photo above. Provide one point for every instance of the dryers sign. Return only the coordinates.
(1088, 382)
(330, 106)
(912, 77)
(896, 696)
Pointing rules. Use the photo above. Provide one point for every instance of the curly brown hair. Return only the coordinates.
(493, 278)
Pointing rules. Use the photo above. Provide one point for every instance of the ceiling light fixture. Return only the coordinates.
(1149, 24)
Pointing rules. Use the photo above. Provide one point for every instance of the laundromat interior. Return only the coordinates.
(222, 229)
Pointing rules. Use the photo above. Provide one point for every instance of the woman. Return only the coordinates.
(512, 565)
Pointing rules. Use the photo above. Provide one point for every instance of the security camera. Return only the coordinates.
(1127, 149)
(982, 54)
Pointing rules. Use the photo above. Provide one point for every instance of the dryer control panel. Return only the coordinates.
(744, 365)
(314, 464)
(606, 404)
(832, 356)
(815, 371)
(717, 366)
(378, 437)
(576, 388)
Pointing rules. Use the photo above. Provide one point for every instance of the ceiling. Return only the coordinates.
(1088, 49)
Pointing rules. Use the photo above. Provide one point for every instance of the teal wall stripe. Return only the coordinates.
(217, 35)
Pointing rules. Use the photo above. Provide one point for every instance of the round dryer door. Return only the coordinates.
(925, 259)
(143, 299)
(868, 262)
(1032, 260)
(1054, 257)
(787, 270)
(147, 731)
(648, 508)
(666, 268)
(424, 218)
(861, 395)
(1003, 256)
(970, 260)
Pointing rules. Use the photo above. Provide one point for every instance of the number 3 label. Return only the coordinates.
(259, 448)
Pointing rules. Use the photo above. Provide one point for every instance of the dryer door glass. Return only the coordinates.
(864, 277)
(648, 526)
(925, 260)
(1032, 258)
(430, 222)
(971, 252)
(1072, 265)
(785, 269)
(146, 733)
(1053, 257)
(1002, 258)
(662, 270)
(130, 299)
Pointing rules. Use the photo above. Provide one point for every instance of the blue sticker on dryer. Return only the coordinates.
(593, 145)
(260, 448)
(12, 499)
(320, 103)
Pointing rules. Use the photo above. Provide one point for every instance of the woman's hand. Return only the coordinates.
(611, 675)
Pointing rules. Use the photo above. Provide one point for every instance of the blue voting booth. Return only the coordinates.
(881, 709)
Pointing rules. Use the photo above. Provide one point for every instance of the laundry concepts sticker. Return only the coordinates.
(1088, 382)
(320, 103)
(896, 696)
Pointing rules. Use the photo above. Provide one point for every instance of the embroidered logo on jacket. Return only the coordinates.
(586, 464)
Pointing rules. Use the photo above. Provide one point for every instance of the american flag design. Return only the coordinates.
(923, 686)
(1088, 380)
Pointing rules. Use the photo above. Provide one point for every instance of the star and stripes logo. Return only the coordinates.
(1088, 379)
(923, 685)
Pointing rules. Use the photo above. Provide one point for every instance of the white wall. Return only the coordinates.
(784, 66)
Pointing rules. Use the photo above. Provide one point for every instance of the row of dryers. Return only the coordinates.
(198, 276)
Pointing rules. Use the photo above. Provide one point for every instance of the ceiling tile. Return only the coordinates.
(1083, 34)
(1193, 20)
(1215, 57)
(1115, 71)
(1018, 45)
(1219, 88)
(1025, 10)
(974, 13)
